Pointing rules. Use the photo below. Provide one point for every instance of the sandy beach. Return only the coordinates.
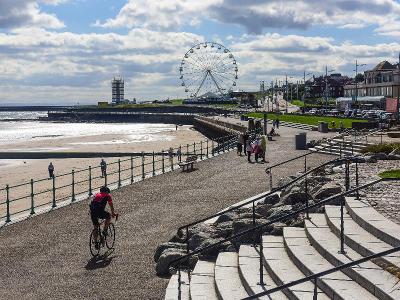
(20, 172)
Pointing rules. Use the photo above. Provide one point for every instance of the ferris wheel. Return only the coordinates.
(208, 68)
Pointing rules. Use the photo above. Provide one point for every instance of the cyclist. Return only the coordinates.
(97, 211)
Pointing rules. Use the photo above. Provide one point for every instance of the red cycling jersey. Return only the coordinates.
(102, 199)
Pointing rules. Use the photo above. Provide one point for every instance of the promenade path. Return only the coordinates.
(47, 256)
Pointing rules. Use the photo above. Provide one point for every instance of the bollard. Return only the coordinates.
(143, 176)
(131, 169)
(162, 161)
(119, 172)
(207, 148)
(54, 192)
(154, 166)
(8, 219)
(90, 181)
(73, 186)
(32, 201)
(201, 150)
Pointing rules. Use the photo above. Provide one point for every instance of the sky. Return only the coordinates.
(67, 51)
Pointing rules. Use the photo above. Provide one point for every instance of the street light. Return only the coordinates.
(287, 93)
(326, 85)
(357, 65)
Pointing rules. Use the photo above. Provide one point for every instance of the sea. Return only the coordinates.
(21, 126)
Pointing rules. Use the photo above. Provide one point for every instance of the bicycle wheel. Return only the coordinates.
(110, 239)
(92, 247)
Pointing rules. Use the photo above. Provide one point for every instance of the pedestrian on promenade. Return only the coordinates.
(245, 139)
(277, 123)
(171, 155)
(263, 147)
(103, 167)
(51, 170)
(273, 123)
(240, 145)
(179, 154)
(256, 149)
(249, 149)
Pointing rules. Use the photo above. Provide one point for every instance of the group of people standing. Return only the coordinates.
(103, 168)
(249, 144)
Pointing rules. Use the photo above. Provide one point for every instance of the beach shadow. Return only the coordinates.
(100, 262)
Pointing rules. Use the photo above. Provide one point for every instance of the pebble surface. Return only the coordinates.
(47, 256)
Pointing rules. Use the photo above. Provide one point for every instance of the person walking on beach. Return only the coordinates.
(179, 154)
(171, 156)
(249, 149)
(103, 167)
(51, 170)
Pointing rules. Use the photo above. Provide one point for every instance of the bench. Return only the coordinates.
(188, 163)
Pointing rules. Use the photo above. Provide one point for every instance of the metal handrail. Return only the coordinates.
(323, 273)
(205, 148)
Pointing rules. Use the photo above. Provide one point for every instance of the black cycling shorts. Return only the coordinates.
(97, 212)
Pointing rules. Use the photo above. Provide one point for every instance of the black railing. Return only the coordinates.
(291, 215)
(27, 197)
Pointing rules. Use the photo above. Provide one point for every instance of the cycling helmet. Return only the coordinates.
(104, 189)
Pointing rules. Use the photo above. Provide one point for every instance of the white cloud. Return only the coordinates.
(21, 13)
(256, 15)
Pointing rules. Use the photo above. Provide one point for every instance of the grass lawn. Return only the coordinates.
(309, 120)
(390, 174)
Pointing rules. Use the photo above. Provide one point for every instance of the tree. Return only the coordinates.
(359, 77)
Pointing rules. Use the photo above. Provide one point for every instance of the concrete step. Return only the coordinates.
(202, 283)
(342, 146)
(336, 148)
(358, 238)
(355, 143)
(373, 221)
(283, 270)
(172, 292)
(336, 285)
(373, 278)
(227, 278)
(249, 270)
(323, 151)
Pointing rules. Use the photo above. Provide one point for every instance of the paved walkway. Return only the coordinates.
(47, 257)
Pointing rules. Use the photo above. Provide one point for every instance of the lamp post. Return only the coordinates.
(326, 85)
(357, 65)
(304, 93)
(287, 92)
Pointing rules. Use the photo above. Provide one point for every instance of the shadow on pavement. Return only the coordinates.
(101, 261)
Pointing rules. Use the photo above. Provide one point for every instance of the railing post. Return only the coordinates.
(54, 192)
(381, 138)
(306, 192)
(270, 179)
(105, 179)
(162, 161)
(261, 282)
(219, 145)
(154, 165)
(207, 148)
(347, 184)
(194, 148)
(254, 214)
(305, 164)
(179, 283)
(8, 219)
(90, 181)
(201, 150)
(171, 160)
(180, 153)
(187, 150)
(315, 296)
(132, 170)
(212, 148)
(73, 186)
(187, 239)
(32, 201)
(119, 172)
(357, 193)
(143, 176)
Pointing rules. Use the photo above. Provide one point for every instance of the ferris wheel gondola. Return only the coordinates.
(208, 68)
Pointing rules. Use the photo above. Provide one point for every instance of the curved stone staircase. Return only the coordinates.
(305, 251)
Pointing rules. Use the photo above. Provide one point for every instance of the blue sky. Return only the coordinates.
(67, 51)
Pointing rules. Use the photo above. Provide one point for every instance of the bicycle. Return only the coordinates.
(103, 240)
